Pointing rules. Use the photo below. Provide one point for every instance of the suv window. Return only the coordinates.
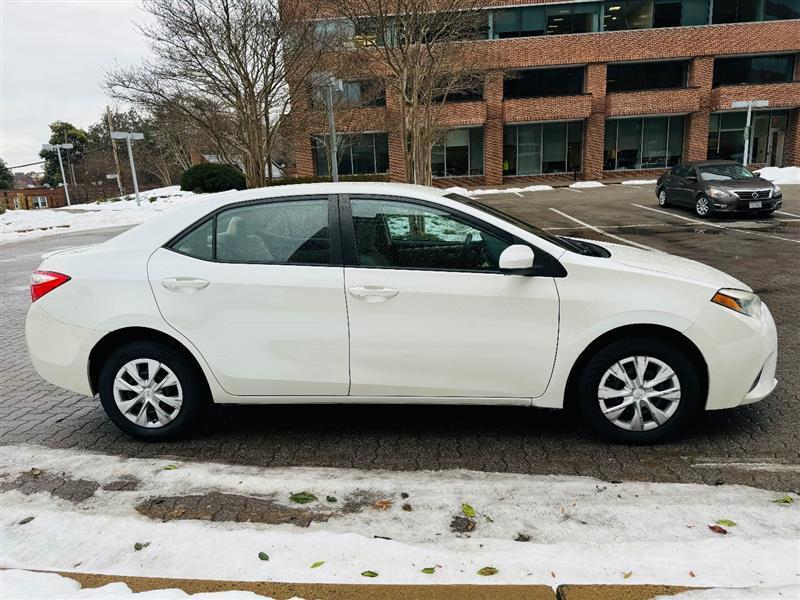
(408, 235)
(290, 232)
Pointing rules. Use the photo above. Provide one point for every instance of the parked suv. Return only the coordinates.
(718, 186)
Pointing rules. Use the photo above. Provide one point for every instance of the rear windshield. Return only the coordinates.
(725, 172)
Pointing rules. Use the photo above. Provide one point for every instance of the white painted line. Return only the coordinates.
(749, 466)
(781, 212)
(576, 191)
(600, 231)
(717, 225)
(605, 226)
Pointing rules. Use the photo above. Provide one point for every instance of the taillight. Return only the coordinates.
(43, 282)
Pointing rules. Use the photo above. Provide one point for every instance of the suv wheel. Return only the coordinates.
(662, 199)
(152, 392)
(639, 390)
(702, 207)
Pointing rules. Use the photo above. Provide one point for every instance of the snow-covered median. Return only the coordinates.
(217, 521)
(16, 225)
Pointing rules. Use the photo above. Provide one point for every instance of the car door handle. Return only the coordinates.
(373, 293)
(184, 284)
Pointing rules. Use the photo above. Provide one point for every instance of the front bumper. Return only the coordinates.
(60, 351)
(743, 206)
(741, 353)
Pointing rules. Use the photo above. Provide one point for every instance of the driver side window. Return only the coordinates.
(407, 235)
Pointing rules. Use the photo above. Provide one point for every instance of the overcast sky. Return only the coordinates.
(53, 56)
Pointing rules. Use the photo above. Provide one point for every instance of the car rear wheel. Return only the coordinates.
(702, 207)
(639, 390)
(152, 391)
(662, 199)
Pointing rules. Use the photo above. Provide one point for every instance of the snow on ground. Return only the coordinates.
(781, 175)
(580, 530)
(509, 190)
(586, 184)
(18, 225)
(769, 593)
(27, 585)
(640, 182)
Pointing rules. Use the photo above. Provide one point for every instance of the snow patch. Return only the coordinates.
(781, 175)
(772, 593)
(640, 182)
(586, 184)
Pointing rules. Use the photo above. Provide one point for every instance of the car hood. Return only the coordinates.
(668, 264)
(741, 184)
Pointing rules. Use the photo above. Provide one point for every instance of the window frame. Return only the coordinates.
(570, 123)
(545, 265)
(334, 231)
(642, 118)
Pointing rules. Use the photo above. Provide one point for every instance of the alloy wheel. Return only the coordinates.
(639, 393)
(148, 393)
(662, 198)
(702, 207)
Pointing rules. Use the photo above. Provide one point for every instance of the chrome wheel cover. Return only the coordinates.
(639, 393)
(662, 198)
(148, 393)
(702, 207)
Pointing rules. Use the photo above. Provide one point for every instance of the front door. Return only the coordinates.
(257, 289)
(430, 313)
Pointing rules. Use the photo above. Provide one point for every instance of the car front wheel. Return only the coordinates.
(639, 390)
(702, 207)
(662, 199)
(152, 391)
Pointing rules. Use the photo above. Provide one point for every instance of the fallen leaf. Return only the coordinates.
(170, 468)
(403, 495)
(487, 571)
(718, 529)
(468, 510)
(303, 497)
(263, 556)
(369, 574)
(407, 507)
(140, 545)
(26, 520)
(627, 574)
(382, 504)
(319, 563)
(330, 499)
(691, 574)
(552, 574)
(726, 523)
(35, 472)
(428, 570)
(785, 499)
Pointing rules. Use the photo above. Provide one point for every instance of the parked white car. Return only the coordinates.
(383, 293)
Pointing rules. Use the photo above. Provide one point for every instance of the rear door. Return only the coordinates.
(258, 289)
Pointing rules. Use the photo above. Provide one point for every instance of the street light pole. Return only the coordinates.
(128, 136)
(332, 127)
(57, 148)
(750, 105)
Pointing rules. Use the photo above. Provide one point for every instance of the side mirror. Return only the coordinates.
(516, 258)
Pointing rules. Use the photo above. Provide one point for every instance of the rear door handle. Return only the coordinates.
(184, 284)
(373, 293)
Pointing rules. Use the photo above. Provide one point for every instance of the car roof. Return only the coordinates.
(703, 163)
(326, 188)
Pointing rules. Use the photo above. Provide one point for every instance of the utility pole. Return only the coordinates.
(57, 148)
(128, 136)
(114, 152)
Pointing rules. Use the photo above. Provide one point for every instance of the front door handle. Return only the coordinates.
(373, 293)
(184, 284)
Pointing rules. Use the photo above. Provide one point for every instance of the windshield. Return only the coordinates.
(724, 172)
(561, 242)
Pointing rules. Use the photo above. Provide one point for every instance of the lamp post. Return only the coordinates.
(128, 136)
(57, 148)
(749, 105)
(330, 83)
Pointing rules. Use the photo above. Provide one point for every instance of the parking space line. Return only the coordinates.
(637, 225)
(788, 214)
(601, 232)
(717, 225)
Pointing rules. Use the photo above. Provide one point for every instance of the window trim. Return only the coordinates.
(334, 231)
(545, 265)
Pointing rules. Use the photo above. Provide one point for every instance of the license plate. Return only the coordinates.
(756, 204)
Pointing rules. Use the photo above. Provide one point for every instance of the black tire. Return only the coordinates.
(692, 390)
(196, 396)
(702, 198)
(663, 202)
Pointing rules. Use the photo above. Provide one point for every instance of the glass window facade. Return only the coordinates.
(459, 154)
(537, 148)
(355, 94)
(533, 83)
(647, 75)
(775, 68)
(358, 154)
(767, 136)
(643, 143)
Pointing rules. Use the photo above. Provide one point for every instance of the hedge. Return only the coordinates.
(209, 178)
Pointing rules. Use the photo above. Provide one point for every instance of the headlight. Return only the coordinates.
(746, 303)
(776, 189)
(715, 193)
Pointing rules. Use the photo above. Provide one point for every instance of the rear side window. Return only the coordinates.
(292, 232)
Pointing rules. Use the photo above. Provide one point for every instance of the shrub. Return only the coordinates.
(209, 178)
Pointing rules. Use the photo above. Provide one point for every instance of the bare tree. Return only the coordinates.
(223, 65)
(420, 49)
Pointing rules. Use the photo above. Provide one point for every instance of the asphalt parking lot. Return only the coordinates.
(756, 445)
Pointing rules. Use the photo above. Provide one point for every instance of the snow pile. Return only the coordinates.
(640, 182)
(781, 175)
(586, 184)
(18, 225)
(27, 585)
(532, 529)
(491, 191)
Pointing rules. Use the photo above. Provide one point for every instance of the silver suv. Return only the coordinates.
(718, 186)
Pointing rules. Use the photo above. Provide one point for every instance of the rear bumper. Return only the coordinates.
(741, 354)
(59, 351)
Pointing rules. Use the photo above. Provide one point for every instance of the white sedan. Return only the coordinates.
(383, 293)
